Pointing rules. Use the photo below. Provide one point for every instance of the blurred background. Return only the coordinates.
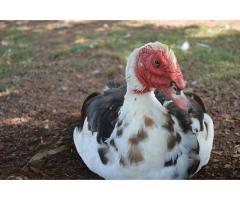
(47, 69)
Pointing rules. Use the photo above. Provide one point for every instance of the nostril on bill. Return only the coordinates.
(175, 88)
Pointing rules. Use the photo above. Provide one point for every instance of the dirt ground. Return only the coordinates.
(38, 116)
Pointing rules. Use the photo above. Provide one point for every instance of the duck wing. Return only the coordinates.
(101, 111)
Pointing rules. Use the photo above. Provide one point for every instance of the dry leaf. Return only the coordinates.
(217, 152)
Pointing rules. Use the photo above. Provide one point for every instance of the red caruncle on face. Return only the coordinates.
(155, 69)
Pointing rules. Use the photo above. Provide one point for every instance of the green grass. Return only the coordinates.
(17, 54)
(213, 57)
(78, 48)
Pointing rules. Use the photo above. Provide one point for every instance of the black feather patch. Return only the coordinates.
(85, 105)
(184, 118)
(102, 154)
(171, 162)
(102, 111)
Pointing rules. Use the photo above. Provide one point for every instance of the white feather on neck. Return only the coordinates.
(132, 101)
(131, 79)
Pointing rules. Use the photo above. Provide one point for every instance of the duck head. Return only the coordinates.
(154, 66)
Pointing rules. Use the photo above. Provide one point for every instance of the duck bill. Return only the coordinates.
(179, 98)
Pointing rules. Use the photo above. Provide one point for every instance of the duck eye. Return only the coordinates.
(156, 63)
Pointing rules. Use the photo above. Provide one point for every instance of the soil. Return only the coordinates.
(38, 117)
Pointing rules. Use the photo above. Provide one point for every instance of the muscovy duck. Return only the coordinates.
(145, 128)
